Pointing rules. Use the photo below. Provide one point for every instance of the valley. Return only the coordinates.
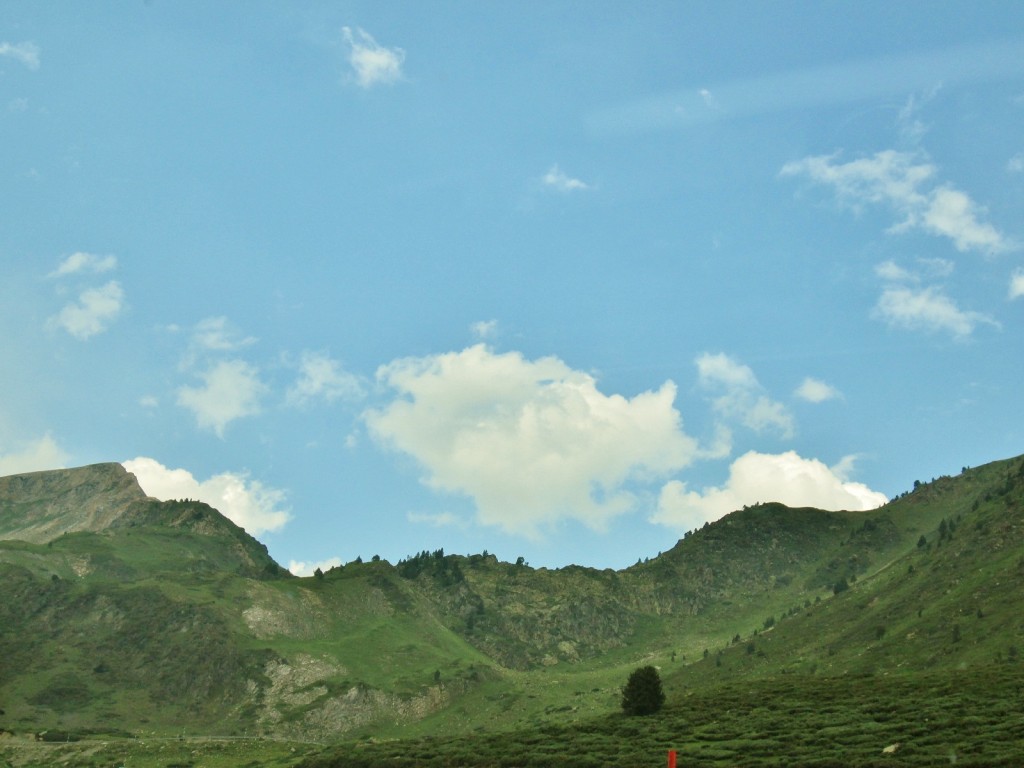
(782, 636)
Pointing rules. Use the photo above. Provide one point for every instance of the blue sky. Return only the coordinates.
(552, 280)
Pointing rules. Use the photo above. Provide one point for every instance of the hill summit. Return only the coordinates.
(41, 506)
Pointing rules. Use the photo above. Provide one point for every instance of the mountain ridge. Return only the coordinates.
(171, 615)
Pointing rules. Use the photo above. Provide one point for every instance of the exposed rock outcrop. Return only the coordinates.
(41, 506)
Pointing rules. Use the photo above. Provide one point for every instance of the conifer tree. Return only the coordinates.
(643, 694)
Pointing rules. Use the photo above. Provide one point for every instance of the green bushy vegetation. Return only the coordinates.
(174, 619)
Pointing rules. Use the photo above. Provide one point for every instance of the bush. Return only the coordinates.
(643, 694)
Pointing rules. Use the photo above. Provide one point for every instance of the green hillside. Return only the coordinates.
(165, 620)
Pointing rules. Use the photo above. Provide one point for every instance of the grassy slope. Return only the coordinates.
(167, 616)
(922, 651)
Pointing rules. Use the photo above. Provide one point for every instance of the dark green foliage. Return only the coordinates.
(446, 571)
(971, 718)
(643, 694)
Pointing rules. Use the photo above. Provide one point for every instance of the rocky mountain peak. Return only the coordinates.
(41, 506)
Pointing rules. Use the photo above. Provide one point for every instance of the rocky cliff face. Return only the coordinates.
(41, 506)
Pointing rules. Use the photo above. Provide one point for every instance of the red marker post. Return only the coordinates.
(671, 758)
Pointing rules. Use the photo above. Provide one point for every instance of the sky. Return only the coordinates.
(560, 280)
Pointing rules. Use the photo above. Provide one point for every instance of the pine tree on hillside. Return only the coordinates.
(643, 694)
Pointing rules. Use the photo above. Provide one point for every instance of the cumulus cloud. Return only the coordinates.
(92, 313)
(231, 389)
(739, 397)
(302, 568)
(1017, 284)
(35, 456)
(531, 442)
(372, 63)
(84, 262)
(248, 503)
(816, 391)
(322, 378)
(758, 477)
(558, 179)
(905, 183)
(927, 309)
(27, 53)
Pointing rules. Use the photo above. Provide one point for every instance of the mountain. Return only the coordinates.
(121, 612)
(40, 506)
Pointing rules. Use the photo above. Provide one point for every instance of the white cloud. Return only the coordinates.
(247, 503)
(84, 262)
(1016, 163)
(216, 334)
(484, 329)
(372, 63)
(27, 53)
(231, 390)
(93, 313)
(911, 127)
(741, 397)
(320, 377)
(816, 391)
(758, 477)
(1017, 284)
(36, 456)
(953, 214)
(905, 183)
(531, 442)
(890, 270)
(927, 309)
(557, 179)
(302, 568)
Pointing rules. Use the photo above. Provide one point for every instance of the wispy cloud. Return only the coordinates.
(216, 334)
(709, 99)
(92, 313)
(738, 397)
(322, 378)
(248, 503)
(438, 520)
(372, 63)
(907, 303)
(84, 262)
(27, 53)
(912, 128)
(1016, 163)
(96, 307)
(479, 422)
(558, 179)
(927, 309)
(843, 83)
(905, 183)
(484, 329)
